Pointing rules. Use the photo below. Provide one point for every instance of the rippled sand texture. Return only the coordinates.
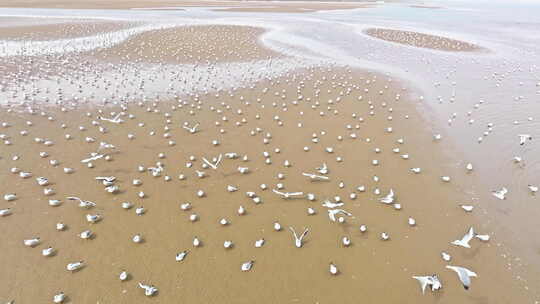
(422, 40)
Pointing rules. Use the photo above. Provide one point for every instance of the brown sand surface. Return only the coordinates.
(278, 6)
(60, 30)
(191, 44)
(422, 40)
(369, 268)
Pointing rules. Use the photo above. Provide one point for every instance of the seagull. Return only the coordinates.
(533, 189)
(298, 240)
(467, 208)
(464, 275)
(115, 119)
(446, 256)
(191, 130)
(416, 170)
(5, 212)
(106, 180)
(75, 265)
(259, 243)
(32, 242)
(388, 199)
(333, 212)
(500, 194)
(314, 177)
(87, 234)
(277, 226)
(59, 298)
(333, 269)
(287, 195)
(247, 266)
(123, 276)
(483, 237)
(10, 197)
(93, 156)
(432, 280)
(149, 290)
(329, 204)
(103, 145)
(323, 169)
(464, 242)
(93, 218)
(215, 164)
(523, 138)
(181, 256)
(47, 251)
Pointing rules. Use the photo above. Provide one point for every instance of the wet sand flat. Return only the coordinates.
(211, 273)
(422, 40)
(193, 44)
(364, 125)
(62, 29)
(277, 6)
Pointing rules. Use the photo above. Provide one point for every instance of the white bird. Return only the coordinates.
(149, 290)
(329, 204)
(215, 164)
(533, 189)
(314, 177)
(445, 178)
(467, 208)
(123, 276)
(277, 226)
(32, 242)
(59, 298)
(323, 169)
(298, 240)
(388, 199)
(87, 234)
(140, 211)
(75, 266)
(227, 244)
(82, 203)
(259, 243)
(287, 195)
(103, 145)
(196, 242)
(115, 120)
(191, 130)
(93, 156)
(469, 167)
(47, 251)
(464, 275)
(523, 138)
(241, 210)
(500, 194)
(247, 266)
(137, 238)
(416, 170)
(60, 226)
(333, 269)
(127, 205)
(346, 241)
(464, 241)
(425, 281)
(385, 236)
(333, 212)
(10, 197)
(181, 256)
(5, 212)
(185, 206)
(42, 181)
(446, 256)
(411, 221)
(93, 218)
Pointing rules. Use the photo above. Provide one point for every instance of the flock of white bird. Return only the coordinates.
(106, 121)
